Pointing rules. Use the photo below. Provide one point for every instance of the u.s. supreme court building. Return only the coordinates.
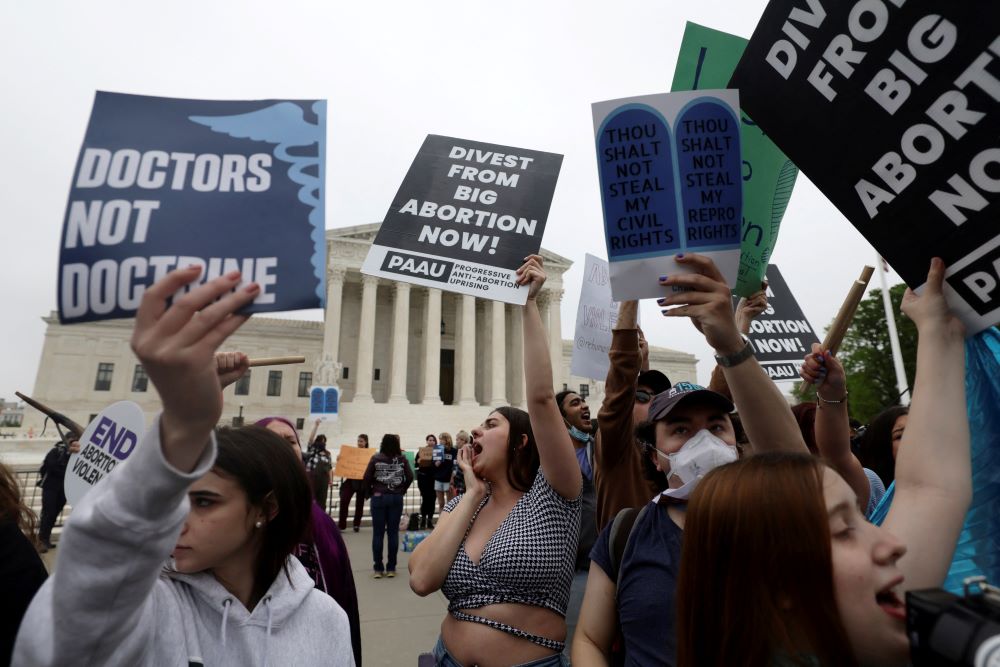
(407, 359)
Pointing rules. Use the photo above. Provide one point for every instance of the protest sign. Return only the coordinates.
(891, 109)
(324, 403)
(707, 59)
(438, 453)
(596, 315)
(411, 458)
(654, 209)
(781, 336)
(165, 183)
(110, 438)
(465, 217)
(353, 461)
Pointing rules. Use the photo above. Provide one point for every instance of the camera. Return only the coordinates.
(948, 630)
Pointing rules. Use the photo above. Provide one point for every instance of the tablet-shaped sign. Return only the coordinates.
(892, 110)
(324, 403)
(110, 438)
(165, 183)
(671, 182)
(465, 217)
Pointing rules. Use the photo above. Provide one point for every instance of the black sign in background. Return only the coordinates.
(428, 180)
(837, 143)
(781, 336)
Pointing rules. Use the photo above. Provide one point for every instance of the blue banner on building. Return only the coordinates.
(163, 183)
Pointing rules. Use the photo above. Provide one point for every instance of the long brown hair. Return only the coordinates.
(756, 576)
(12, 506)
(522, 459)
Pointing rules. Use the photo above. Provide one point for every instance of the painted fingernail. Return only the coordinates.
(680, 255)
(251, 288)
(660, 301)
(232, 275)
(663, 278)
(192, 267)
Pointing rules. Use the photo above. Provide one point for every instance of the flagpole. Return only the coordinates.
(890, 320)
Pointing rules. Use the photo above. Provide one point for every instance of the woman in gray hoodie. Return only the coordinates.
(232, 595)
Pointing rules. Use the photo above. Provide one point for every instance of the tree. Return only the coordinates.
(867, 357)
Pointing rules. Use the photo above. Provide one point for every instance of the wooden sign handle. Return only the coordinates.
(835, 336)
(276, 361)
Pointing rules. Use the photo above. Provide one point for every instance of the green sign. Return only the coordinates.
(706, 61)
(411, 457)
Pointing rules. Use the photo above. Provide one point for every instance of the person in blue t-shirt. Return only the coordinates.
(689, 433)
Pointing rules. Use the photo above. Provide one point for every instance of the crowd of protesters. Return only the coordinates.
(683, 526)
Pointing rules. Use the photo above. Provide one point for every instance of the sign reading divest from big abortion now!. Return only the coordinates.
(164, 183)
(892, 109)
(671, 182)
(465, 217)
(110, 438)
(781, 336)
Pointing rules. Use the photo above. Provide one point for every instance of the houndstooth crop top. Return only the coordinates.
(529, 560)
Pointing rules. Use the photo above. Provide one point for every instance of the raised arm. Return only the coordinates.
(833, 426)
(99, 602)
(705, 298)
(555, 449)
(231, 366)
(614, 419)
(933, 467)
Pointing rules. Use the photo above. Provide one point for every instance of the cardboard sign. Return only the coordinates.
(110, 438)
(353, 461)
(781, 336)
(165, 183)
(324, 403)
(465, 217)
(596, 316)
(892, 110)
(707, 59)
(671, 182)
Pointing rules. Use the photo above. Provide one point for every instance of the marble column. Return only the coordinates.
(555, 338)
(366, 341)
(334, 298)
(467, 350)
(498, 354)
(517, 356)
(432, 348)
(400, 343)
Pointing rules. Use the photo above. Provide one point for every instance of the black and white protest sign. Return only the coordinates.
(596, 316)
(781, 336)
(891, 108)
(465, 217)
(166, 183)
(109, 440)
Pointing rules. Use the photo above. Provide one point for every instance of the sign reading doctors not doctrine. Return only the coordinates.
(781, 337)
(671, 182)
(465, 217)
(165, 183)
(892, 110)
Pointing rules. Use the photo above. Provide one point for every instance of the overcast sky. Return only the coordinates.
(520, 72)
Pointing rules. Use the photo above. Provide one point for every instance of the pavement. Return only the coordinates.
(396, 624)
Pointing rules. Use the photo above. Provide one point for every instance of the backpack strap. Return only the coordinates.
(618, 538)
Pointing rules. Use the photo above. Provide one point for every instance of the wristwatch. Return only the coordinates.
(730, 360)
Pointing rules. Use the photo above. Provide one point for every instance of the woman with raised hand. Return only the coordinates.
(234, 595)
(503, 552)
(781, 544)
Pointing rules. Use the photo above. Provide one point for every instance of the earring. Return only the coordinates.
(259, 524)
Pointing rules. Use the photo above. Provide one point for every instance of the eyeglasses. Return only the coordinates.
(643, 396)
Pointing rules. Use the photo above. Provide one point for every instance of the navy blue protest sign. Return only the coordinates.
(465, 217)
(671, 182)
(324, 403)
(892, 110)
(164, 183)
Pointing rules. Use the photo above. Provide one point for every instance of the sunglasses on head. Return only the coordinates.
(643, 396)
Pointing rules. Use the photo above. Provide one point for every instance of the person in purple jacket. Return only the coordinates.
(325, 556)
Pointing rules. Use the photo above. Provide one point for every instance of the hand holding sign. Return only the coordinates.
(705, 298)
(823, 369)
(532, 274)
(176, 346)
(929, 311)
(231, 366)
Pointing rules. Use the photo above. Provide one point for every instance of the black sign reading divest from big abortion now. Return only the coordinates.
(465, 217)
(166, 183)
(781, 336)
(892, 108)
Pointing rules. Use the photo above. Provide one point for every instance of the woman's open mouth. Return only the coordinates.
(891, 604)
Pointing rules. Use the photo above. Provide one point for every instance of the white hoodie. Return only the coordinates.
(110, 602)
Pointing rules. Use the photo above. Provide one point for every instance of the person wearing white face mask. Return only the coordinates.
(636, 559)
